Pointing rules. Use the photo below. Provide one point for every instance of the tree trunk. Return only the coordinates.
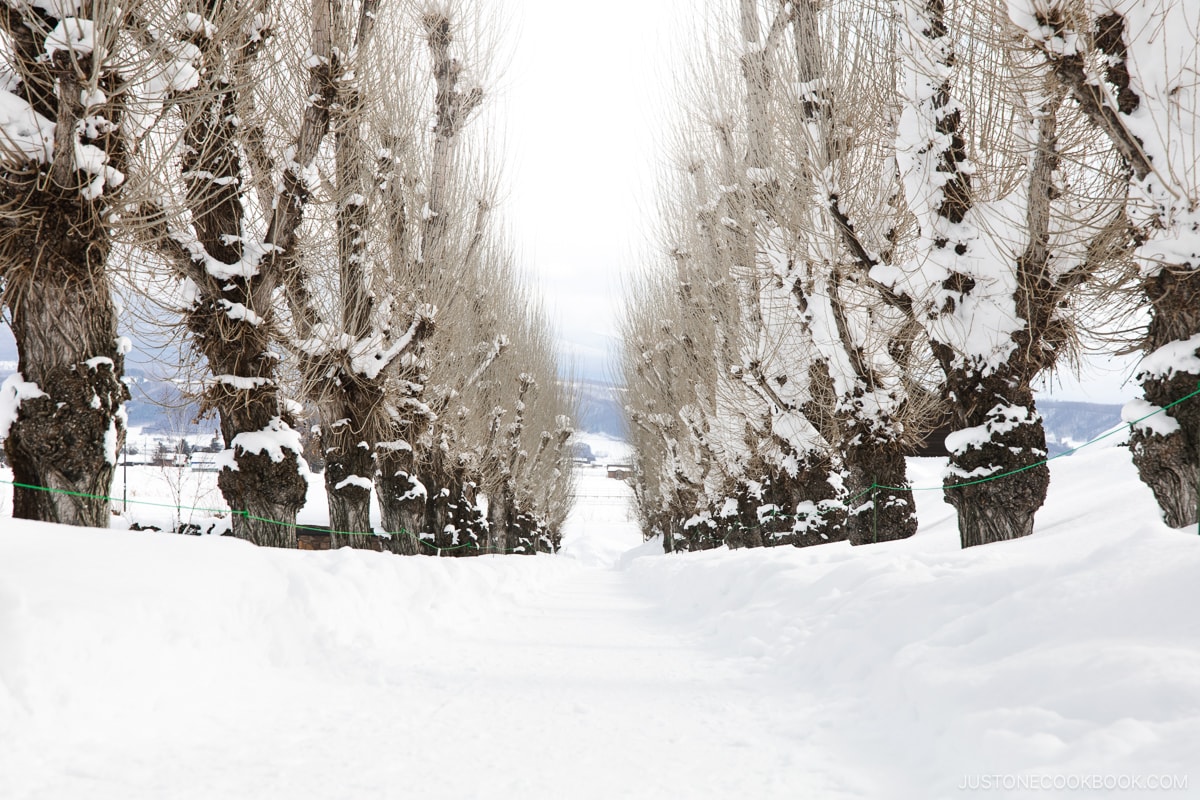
(266, 489)
(523, 532)
(401, 500)
(816, 512)
(467, 518)
(436, 516)
(745, 530)
(349, 468)
(1169, 461)
(878, 514)
(1166, 451)
(499, 507)
(65, 325)
(1011, 438)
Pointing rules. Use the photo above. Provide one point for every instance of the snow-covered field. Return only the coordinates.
(142, 665)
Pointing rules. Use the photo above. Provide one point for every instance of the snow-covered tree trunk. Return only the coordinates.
(1131, 67)
(499, 517)
(971, 295)
(62, 156)
(347, 363)
(868, 407)
(404, 481)
(401, 494)
(233, 274)
(349, 468)
(502, 502)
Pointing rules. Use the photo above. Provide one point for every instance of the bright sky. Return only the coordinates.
(583, 94)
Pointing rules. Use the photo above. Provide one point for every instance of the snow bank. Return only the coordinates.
(1073, 652)
(138, 665)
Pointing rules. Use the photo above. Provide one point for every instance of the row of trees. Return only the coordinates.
(887, 218)
(296, 185)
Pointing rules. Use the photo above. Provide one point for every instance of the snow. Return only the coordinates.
(93, 161)
(111, 437)
(73, 34)
(273, 440)
(15, 389)
(239, 311)
(355, 480)
(196, 23)
(239, 382)
(1179, 356)
(142, 665)
(1143, 414)
(1001, 419)
(23, 131)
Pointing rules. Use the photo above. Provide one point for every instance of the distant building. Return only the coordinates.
(620, 471)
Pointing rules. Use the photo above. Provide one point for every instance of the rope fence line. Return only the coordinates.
(873, 488)
(251, 517)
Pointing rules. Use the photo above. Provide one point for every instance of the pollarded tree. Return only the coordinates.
(439, 216)
(661, 378)
(78, 87)
(1001, 246)
(355, 316)
(526, 469)
(246, 169)
(835, 218)
(1131, 67)
(786, 490)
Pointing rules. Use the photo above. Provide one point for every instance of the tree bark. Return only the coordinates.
(349, 472)
(1169, 463)
(1001, 509)
(402, 499)
(232, 319)
(65, 326)
(878, 514)
(498, 518)
(55, 242)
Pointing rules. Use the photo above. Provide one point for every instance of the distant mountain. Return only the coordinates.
(600, 409)
(1070, 424)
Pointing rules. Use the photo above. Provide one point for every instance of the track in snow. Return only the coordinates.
(510, 677)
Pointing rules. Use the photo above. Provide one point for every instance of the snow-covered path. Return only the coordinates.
(140, 665)
(508, 677)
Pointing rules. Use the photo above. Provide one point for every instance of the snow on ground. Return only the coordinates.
(606, 449)
(142, 665)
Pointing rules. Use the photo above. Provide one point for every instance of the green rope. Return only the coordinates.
(875, 487)
(87, 496)
(248, 516)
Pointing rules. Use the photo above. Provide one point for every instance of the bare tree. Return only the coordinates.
(1131, 69)
(434, 240)
(73, 78)
(859, 255)
(232, 236)
(999, 251)
(353, 318)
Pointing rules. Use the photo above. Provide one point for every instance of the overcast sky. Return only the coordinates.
(582, 98)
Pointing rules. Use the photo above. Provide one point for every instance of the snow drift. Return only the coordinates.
(150, 665)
